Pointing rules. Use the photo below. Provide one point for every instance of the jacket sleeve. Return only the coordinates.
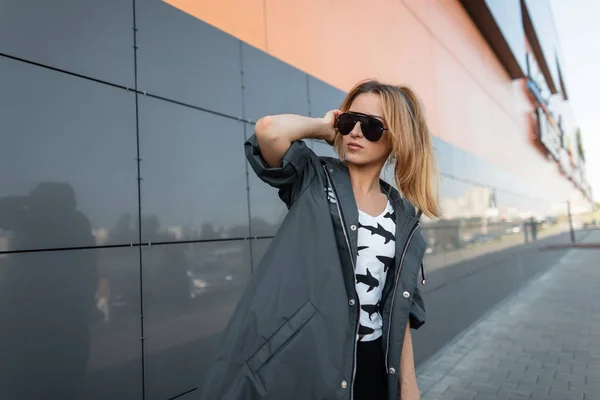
(417, 310)
(292, 177)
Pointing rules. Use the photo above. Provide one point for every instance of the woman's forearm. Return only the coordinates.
(409, 389)
(276, 133)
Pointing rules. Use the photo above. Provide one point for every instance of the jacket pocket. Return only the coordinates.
(282, 337)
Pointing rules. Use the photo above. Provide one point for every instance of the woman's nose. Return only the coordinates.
(356, 131)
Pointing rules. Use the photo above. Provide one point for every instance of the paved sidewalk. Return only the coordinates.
(541, 344)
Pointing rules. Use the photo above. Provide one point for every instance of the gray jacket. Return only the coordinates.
(293, 334)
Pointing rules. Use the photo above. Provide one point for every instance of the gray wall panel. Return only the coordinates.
(87, 37)
(57, 340)
(323, 97)
(323, 149)
(184, 59)
(271, 86)
(190, 291)
(68, 146)
(194, 174)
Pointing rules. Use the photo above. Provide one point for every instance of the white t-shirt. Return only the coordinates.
(376, 250)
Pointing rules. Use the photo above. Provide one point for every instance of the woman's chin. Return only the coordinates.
(362, 160)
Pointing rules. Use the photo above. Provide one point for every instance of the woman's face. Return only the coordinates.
(357, 149)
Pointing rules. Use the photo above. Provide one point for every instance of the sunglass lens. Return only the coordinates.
(346, 123)
(372, 128)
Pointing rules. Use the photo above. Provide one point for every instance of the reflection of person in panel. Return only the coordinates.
(46, 297)
(328, 311)
(534, 225)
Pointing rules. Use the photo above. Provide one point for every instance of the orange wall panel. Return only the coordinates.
(336, 37)
(243, 19)
(342, 43)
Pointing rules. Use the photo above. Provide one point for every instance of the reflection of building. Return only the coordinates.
(477, 201)
(101, 236)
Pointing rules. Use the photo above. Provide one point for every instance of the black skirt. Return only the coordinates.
(370, 382)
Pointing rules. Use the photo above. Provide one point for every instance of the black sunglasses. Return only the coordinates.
(371, 127)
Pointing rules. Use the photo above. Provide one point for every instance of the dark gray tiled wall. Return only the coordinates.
(86, 37)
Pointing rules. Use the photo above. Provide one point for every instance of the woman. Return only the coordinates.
(327, 313)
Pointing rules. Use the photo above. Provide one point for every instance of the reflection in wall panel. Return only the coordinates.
(70, 325)
(85, 37)
(67, 160)
(542, 19)
(507, 14)
(194, 174)
(444, 153)
(460, 163)
(182, 58)
(479, 220)
(500, 24)
(190, 291)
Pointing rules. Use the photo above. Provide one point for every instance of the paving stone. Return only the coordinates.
(543, 343)
(458, 393)
(485, 397)
(565, 394)
(484, 387)
(554, 383)
(571, 377)
(515, 393)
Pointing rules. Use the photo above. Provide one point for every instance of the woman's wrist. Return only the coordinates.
(320, 129)
(409, 389)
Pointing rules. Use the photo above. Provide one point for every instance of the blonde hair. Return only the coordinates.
(415, 169)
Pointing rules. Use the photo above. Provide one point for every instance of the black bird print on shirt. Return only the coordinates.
(380, 230)
(361, 248)
(368, 280)
(371, 308)
(364, 330)
(386, 261)
(391, 215)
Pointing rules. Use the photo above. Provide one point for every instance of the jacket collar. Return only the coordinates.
(341, 180)
(406, 216)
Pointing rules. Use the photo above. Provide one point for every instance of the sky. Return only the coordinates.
(579, 34)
